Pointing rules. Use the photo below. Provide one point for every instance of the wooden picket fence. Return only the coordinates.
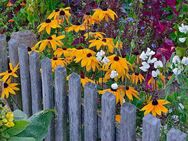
(78, 117)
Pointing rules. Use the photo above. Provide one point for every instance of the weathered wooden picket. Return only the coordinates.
(77, 117)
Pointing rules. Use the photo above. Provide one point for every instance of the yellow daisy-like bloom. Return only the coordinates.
(103, 42)
(137, 77)
(84, 80)
(105, 14)
(156, 107)
(51, 41)
(130, 92)
(48, 25)
(12, 71)
(60, 62)
(87, 58)
(61, 14)
(9, 88)
(153, 82)
(76, 28)
(66, 52)
(94, 35)
(119, 94)
(88, 20)
(119, 64)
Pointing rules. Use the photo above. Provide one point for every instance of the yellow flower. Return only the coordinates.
(119, 93)
(51, 41)
(130, 92)
(10, 124)
(119, 45)
(12, 71)
(118, 118)
(105, 14)
(94, 35)
(9, 88)
(119, 64)
(61, 14)
(59, 62)
(89, 20)
(48, 25)
(105, 42)
(10, 116)
(66, 52)
(76, 28)
(156, 107)
(137, 77)
(84, 80)
(153, 82)
(87, 58)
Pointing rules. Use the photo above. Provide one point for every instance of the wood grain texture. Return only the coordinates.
(47, 92)
(151, 128)
(108, 117)
(36, 83)
(75, 107)
(90, 112)
(176, 135)
(60, 104)
(128, 122)
(3, 53)
(25, 79)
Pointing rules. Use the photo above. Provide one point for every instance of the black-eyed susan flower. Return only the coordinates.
(76, 28)
(119, 64)
(104, 14)
(66, 52)
(95, 35)
(156, 107)
(48, 25)
(51, 42)
(119, 93)
(102, 43)
(61, 14)
(130, 92)
(57, 61)
(84, 80)
(87, 58)
(9, 88)
(137, 77)
(12, 71)
(89, 20)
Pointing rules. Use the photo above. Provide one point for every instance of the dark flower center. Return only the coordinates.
(62, 13)
(105, 8)
(89, 55)
(29, 49)
(64, 48)
(80, 48)
(104, 40)
(136, 73)
(136, 53)
(127, 88)
(82, 75)
(116, 58)
(49, 38)
(155, 102)
(48, 21)
(57, 10)
(5, 85)
(77, 23)
(55, 58)
(87, 13)
(9, 71)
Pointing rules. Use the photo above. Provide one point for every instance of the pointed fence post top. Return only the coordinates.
(176, 135)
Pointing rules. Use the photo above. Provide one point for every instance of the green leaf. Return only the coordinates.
(18, 128)
(19, 115)
(38, 128)
(21, 139)
(180, 51)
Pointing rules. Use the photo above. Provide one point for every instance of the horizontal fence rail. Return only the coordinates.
(75, 120)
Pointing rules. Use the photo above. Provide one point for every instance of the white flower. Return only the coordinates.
(182, 40)
(185, 60)
(176, 71)
(99, 58)
(143, 56)
(105, 60)
(176, 59)
(149, 52)
(100, 53)
(181, 107)
(158, 64)
(145, 66)
(183, 28)
(113, 74)
(155, 73)
(114, 86)
(151, 61)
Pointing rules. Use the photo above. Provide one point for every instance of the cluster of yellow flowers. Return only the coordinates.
(9, 87)
(6, 117)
